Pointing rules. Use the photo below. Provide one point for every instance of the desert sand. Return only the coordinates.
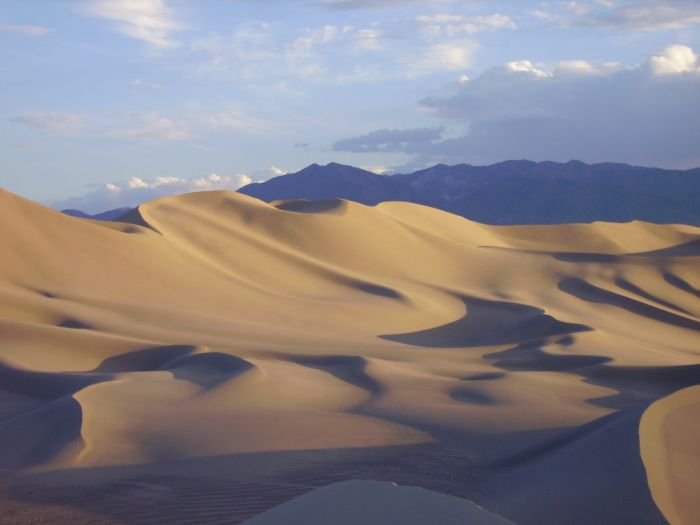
(212, 356)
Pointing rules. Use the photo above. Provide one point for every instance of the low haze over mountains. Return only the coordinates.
(513, 192)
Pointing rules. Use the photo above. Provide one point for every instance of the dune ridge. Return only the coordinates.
(214, 325)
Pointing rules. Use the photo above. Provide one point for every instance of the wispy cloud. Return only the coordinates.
(139, 83)
(233, 120)
(454, 25)
(51, 120)
(383, 4)
(27, 30)
(633, 15)
(259, 52)
(151, 21)
(153, 126)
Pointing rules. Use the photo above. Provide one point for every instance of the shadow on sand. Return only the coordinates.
(490, 323)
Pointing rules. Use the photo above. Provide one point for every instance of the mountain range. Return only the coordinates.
(108, 215)
(512, 192)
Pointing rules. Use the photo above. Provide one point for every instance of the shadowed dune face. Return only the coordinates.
(210, 335)
(489, 323)
(336, 206)
(588, 292)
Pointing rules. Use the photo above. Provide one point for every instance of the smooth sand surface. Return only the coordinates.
(356, 502)
(231, 354)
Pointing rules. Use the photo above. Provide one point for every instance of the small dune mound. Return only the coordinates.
(190, 363)
(208, 369)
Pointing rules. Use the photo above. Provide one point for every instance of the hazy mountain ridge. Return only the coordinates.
(109, 215)
(511, 192)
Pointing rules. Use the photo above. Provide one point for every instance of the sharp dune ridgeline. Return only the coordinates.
(211, 356)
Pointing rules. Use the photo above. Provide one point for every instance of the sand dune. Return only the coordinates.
(670, 432)
(213, 340)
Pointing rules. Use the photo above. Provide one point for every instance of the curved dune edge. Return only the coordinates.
(376, 503)
(669, 435)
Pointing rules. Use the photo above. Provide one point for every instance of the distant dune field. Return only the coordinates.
(213, 356)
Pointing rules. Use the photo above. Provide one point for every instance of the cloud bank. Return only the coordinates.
(138, 190)
(648, 114)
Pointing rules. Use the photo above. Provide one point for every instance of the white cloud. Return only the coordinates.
(566, 67)
(377, 170)
(152, 126)
(368, 38)
(250, 53)
(27, 30)
(447, 56)
(541, 14)
(51, 120)
(578, 8)
(139, 83)
(235, 120)
(151, 21)
(454, 25)
(137, 190)
(525, 66)
(674, 60)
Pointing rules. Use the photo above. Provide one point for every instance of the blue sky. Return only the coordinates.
(106, 102)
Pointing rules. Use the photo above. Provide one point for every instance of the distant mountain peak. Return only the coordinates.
(510, 192)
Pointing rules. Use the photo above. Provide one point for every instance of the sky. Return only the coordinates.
(106, 103)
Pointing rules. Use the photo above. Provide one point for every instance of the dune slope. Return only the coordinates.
(212, 338)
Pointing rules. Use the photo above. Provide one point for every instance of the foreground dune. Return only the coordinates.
(211, 356)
